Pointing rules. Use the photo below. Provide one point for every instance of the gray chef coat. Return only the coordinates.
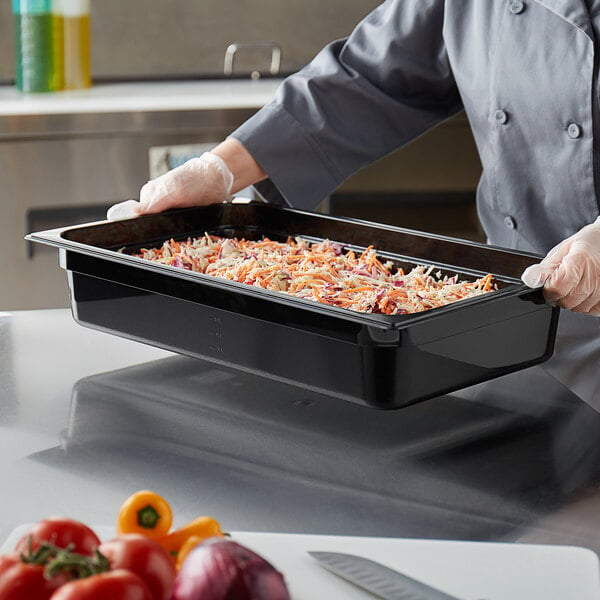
(524, 72)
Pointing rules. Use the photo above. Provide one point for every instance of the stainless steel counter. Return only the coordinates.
(87, 418)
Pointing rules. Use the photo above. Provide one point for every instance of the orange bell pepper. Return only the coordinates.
(145, 512)
(201, 528)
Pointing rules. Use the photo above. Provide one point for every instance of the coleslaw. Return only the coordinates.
(319, 271)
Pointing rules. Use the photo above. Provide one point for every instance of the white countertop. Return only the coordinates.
(141, 96)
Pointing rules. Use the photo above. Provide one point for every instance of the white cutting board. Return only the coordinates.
(467, 570)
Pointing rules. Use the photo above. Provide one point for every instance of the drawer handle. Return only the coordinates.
(233, 49)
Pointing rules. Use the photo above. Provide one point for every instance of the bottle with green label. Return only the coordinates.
(37, 40)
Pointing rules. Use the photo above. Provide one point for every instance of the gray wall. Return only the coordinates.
(169, 38)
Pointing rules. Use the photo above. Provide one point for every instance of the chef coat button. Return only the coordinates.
(517, 7)
(573, 131)
(510, 222)
(501, 117)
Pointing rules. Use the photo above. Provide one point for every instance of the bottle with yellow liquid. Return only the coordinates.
(75, 26)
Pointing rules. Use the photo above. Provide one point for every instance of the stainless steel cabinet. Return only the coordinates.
(67, 168)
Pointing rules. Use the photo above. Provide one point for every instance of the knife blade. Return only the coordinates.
(379, 580)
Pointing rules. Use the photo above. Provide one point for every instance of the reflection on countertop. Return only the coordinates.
(87, 418)
(7, 406)
(487, 463)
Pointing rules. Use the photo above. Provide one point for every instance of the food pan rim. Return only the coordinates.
(55, 237)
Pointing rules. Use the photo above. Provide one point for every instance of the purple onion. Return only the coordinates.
(219, 569)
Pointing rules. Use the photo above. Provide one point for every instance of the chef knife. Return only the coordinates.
(379, 580)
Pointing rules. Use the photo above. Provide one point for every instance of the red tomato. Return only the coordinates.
(7, 561)
(61, 532)
(119, 584)
(21, 581)
(144, 557)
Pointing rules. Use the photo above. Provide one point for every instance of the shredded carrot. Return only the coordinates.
(364, 288)
(322, 272)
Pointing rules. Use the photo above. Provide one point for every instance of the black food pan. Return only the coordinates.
(382, 361)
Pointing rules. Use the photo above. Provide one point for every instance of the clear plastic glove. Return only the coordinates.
(198, 181)
(570, 273)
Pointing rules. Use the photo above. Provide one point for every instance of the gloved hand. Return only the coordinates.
(198, 181)
(570, 273)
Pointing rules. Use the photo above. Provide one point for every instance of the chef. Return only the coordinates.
(526, 74)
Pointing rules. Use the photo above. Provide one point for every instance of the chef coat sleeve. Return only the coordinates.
(360, 98)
